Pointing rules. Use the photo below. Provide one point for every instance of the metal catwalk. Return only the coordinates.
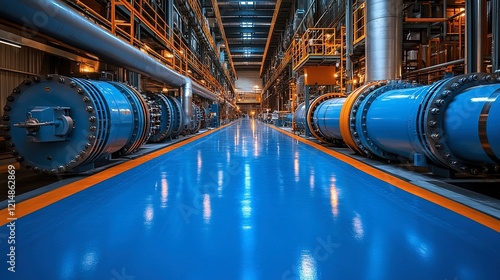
(248, 202)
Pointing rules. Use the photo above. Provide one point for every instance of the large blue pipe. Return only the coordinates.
(450, 123)
(57, 124)
(324, 123)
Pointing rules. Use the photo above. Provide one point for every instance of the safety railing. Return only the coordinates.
(176, 54)
(359, 22)
(201, 20)
(317, 42)
(248, 97)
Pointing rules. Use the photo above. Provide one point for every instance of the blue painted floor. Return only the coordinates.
(248, 202)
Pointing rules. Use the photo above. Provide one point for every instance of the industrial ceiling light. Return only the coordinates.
(10, 44)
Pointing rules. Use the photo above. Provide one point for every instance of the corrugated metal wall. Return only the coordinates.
(16, 65)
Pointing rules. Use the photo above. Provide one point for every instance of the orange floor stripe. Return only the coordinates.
(36, 203)
(447, 203)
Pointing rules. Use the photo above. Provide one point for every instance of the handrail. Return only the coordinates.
(319, 42)
(359, 24)
(182, 57)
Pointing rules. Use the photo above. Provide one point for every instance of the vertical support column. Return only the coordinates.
(348, 44)
(306, 104)
(384, 39)
(474, 33)
(495, 24)
(113, 16)
(169, 14)
(445, 23)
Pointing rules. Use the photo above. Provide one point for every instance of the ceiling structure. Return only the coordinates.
(247, 26)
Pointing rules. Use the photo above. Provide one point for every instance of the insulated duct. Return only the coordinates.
(55, 19)
(384, 39)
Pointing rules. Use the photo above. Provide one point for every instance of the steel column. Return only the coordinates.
(349, 44)
(474, 33)
(495, 24)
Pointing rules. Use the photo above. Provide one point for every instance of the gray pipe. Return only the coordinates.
(187, 102)
(384, 39)
(61, 22)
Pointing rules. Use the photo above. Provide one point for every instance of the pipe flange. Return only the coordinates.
(142, 118)
(372, 150)
(163, 118)
(315, 131)
(177, 116)
(86, 104)
(433, 119)
(348, 116)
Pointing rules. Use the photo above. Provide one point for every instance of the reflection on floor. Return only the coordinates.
(248, 202)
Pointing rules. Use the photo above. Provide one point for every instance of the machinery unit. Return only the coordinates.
(450, 124)
(57, 124)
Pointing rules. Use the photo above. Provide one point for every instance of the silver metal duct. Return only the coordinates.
(187, 102)
(384, 39)
(61, 22)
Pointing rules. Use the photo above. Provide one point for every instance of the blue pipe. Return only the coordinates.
(449, 123)
(472, 127)
(326, 118)
(56, 124)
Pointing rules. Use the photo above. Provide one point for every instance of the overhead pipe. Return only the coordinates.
(55, 19)
(449, 123)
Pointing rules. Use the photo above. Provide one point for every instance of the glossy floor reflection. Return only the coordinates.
(248, 202)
